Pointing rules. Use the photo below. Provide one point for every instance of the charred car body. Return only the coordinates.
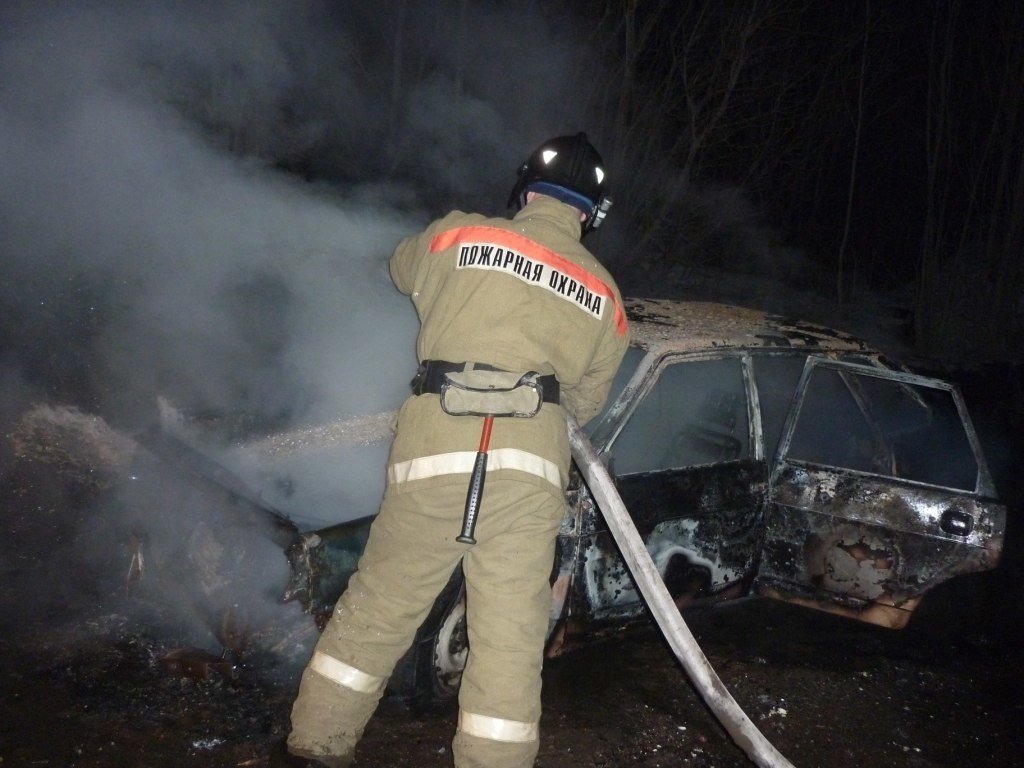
(755, 456)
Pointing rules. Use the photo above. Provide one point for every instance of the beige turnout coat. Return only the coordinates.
(521, 295)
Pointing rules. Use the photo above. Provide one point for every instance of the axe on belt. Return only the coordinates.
(659, 601)
(476, 485)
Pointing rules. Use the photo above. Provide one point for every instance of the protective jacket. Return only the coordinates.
(520, 295)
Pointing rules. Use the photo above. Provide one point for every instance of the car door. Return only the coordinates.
(692, 473)
(878, 493)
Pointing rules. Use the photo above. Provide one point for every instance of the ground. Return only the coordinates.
(944, 692)
(88, 687)
(86, 680)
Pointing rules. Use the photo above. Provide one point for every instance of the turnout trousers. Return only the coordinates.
(409, 557)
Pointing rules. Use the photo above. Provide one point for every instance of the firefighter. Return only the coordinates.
(519, 325)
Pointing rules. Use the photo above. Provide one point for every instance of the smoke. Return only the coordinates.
(150, 234)
(199, 200)
(160, 264)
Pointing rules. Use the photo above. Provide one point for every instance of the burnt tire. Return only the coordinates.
(429, 674)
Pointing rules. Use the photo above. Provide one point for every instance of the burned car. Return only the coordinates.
(756, 457)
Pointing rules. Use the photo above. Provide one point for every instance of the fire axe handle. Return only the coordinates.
(476, 486)
(659, 601)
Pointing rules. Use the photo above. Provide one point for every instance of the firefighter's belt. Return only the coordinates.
(476, 389)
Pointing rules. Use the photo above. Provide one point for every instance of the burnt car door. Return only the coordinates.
(692, 474)
(879, 492)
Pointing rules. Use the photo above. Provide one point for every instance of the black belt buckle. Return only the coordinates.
(418, 380)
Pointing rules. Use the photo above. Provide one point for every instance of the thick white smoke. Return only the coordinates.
(199, 200)
(199, 275)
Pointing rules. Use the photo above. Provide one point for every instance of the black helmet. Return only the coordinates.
(570, 169)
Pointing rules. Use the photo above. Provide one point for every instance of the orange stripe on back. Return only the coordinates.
(513, 240)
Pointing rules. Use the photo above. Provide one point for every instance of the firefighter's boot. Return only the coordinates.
(328, 716)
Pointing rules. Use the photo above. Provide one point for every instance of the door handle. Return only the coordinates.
(956, 522)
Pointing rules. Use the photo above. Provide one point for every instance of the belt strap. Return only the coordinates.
(430, 376)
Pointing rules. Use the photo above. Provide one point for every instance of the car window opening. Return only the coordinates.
(695, 414)
(884, 427)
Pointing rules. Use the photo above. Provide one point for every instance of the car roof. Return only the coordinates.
(663, 325)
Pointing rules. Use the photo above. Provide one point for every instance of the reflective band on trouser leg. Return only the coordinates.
(496, 729)
(328, 717)
(343, 674)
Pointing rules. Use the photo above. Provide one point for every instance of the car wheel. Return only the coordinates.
(449, 650)
(430, 673)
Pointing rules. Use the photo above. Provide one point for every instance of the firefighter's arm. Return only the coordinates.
(409, 255)
(404, 262)
(585, 400)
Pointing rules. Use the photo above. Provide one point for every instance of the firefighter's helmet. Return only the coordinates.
(570, 169)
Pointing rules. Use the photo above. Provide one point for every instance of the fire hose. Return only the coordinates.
(659, 601)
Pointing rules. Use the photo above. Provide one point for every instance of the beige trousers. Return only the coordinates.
(409, 557)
